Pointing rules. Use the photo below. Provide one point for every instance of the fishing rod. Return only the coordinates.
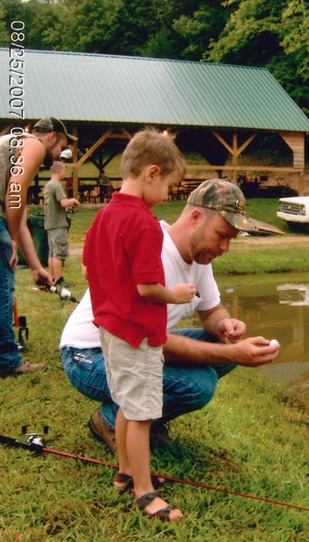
(36, 443)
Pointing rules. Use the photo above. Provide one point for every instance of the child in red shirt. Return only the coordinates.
(126, 279)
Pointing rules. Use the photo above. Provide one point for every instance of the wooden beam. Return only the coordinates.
(6, 129)
(126, 133)
(94, 147)
(234, 157)
(224, 143)
(75, 158)
(232, 150)
(296, 142)
(243, 167)
(245, 144)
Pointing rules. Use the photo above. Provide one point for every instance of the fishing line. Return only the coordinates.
(39, 448)
(183, 481)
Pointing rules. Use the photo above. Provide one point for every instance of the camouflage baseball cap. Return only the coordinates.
(50, 124)
(224, 197)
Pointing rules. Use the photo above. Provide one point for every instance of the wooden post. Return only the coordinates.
(296, 142)
(235, 157)
(75, 166)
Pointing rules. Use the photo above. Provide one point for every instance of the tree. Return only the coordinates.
(269, 34)
(10, 10)
(201, 26)
(295, 35)
(4, 33)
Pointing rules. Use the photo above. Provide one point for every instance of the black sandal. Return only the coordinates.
(144, 500)
(126, 479)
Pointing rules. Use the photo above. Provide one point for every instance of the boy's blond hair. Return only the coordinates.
(150, 147)
(57, 166)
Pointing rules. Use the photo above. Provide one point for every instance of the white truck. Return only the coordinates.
(295, 211)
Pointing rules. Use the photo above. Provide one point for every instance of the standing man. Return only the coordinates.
(20, 158)
(55, 221)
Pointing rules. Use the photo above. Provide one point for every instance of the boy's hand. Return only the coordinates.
(184, 293)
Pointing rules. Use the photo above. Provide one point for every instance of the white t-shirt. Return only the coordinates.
(80, 332)
(177, 271)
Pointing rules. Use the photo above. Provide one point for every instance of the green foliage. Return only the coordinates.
(4, 33)
(295, 31)
(198, 28)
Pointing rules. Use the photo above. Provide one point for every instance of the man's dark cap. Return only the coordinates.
(50, 124)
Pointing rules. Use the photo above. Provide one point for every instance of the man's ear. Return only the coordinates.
(51, 139)
(196, 216)
(152, 173)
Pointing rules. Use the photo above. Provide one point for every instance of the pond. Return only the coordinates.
(277, 307)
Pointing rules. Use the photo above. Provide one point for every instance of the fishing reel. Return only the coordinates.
(63, 293)
(35, 438)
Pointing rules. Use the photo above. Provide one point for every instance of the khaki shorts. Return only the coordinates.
(58, 243)
(134, 377)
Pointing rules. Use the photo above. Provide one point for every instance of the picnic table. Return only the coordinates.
(182, 190)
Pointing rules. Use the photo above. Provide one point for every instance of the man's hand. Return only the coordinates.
(40, 275)
(231, 330)
(14, 257)
(255, 351)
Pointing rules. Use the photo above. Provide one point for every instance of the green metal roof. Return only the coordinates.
(132, 90)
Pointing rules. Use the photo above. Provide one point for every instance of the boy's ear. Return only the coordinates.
(152, 172)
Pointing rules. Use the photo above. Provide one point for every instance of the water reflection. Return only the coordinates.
(293, 294)
(277, 307)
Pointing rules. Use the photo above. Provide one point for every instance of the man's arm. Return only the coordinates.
(28, 159)
(26, 245)
(69, 202)
(181, 351)
(218, 322)
(252, 352)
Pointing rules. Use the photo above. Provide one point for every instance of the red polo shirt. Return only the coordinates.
(123, 248)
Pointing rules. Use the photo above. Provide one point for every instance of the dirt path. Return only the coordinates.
(274, 240)
(287, 240)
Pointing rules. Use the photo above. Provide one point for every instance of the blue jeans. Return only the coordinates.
(184, 389)
(9, 353)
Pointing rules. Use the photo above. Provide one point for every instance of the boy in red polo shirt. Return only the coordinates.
(122, 255)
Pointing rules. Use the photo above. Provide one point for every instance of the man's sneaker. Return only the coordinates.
(102, 432)
(27, 367)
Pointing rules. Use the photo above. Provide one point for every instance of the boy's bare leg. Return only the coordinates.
(138, 453)
(121, 429)
(133, 449)
(51, 266)
(55, 268)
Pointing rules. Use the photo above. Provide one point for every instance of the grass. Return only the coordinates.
(251, 438)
